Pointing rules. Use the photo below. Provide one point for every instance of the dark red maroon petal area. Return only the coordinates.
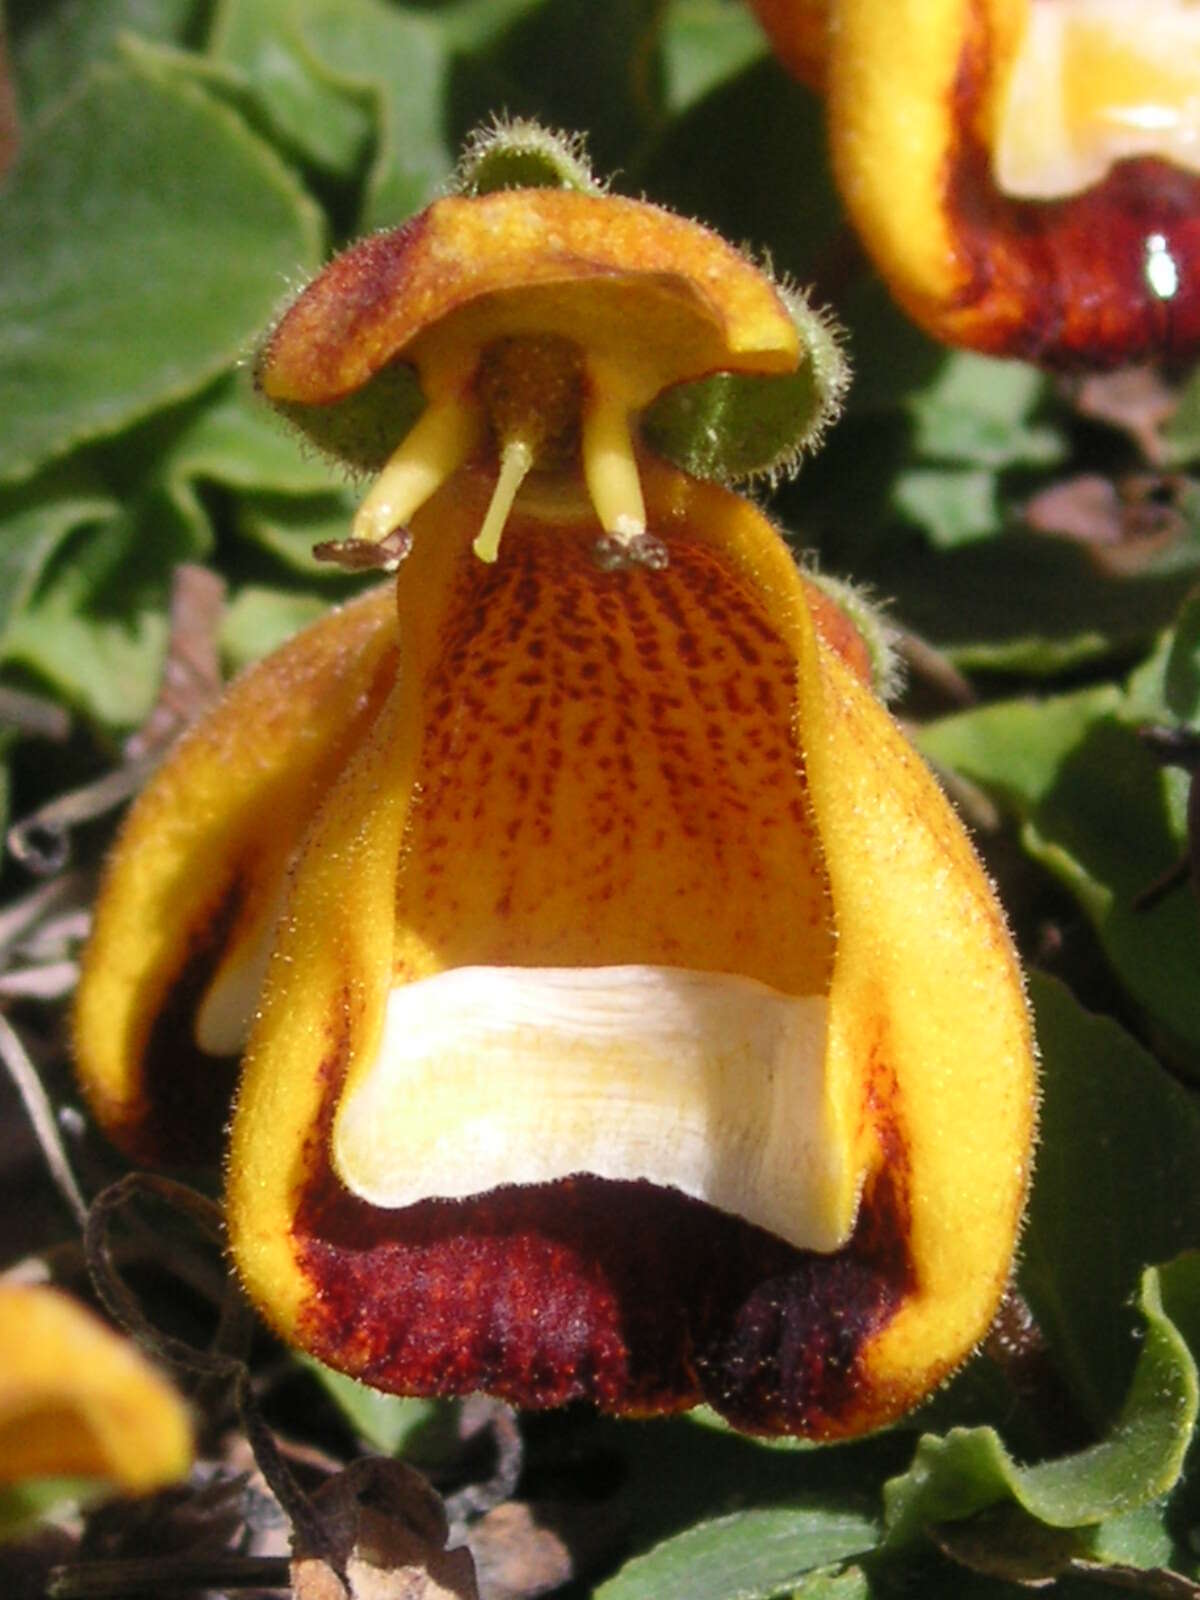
(633, 1297)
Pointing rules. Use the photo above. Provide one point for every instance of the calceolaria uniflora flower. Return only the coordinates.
(1025, 173)
(622, 1012)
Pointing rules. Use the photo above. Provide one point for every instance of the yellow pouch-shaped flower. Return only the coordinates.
(637, 1024)
(1025, 173)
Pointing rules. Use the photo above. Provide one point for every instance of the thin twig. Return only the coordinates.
(41, 1117)
(191, 675)
(1157, 1583)
(17, 919)
(934, 667)
(157, 1575)
(49, 981)
(33, 714)
(10, 121)
(41, 841)
(214, 1363)
(481, 1414)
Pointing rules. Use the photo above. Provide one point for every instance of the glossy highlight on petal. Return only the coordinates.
(1021, 171)
(76, 1400)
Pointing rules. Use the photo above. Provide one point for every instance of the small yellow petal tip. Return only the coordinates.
(79, 1401)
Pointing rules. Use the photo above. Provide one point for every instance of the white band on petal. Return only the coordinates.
(704, 1082)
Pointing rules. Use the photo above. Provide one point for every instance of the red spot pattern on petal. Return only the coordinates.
(609, 773)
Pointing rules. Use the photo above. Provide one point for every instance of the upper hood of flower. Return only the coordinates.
(548, 331)
(632, 284)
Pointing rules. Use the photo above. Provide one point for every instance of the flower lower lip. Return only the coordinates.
(705, 1082)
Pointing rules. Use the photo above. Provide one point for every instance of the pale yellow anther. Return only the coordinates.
(609, 464)
(515, 461)
(442, 439)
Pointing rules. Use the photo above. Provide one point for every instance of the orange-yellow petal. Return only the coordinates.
(183, 927)
(581, 769)
(76, 1400)
(926, 1001)
(636, 1024)
(650, 288)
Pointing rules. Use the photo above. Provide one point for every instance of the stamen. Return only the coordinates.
(515, 461)
(439, 443)
(609, 464)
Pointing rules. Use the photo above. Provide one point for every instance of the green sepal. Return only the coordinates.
(733, 426)
(523, 155)
(873, 626)
(361, 429)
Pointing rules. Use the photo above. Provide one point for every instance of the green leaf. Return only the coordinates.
(97, 617)
(704, 42)
(706, 1417)
(1181, 673)
(1104, 818)
(1030, 603)
(1120, 1140)
(358, 44)
(299, 101)
(96, 628)
(289, 527)
(55, 41)
(969, 1469)
(258, 620)
(676, 1475)
(24, 1505)
(34, 521)
(983, 413)
(100, 647)
(143, 239)
(849, 1583)
(1015, 748)
(750, 1555)
(1137, 1538)
(952, 505)
(389, 1423)
(1182, 433)
(235, 439)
